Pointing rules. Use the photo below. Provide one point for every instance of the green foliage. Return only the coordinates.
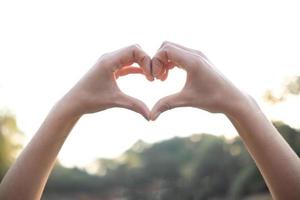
(201, 166)
(9, 133)
(248, 181)
(290, 135)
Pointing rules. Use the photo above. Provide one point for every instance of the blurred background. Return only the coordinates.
(47, 46)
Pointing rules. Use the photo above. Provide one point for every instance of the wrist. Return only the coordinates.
(242, 106)
(69, 107)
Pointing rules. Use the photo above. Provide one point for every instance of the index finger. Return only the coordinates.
(129, 55)
(170, 53)
(128, 70)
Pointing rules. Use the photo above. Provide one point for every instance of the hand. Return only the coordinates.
(98, 89)
(205, 87)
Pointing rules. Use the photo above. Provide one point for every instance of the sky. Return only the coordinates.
(47, 46)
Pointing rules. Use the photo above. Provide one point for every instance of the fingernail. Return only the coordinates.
(150, 78)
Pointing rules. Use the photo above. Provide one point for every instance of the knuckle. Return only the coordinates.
(155, 62)
(105, 59)
(167, 47)
(144, 58)
(164, 51)
(165, 43)
(134, 47)
(195, 61)
(194, 64)
(156, 66)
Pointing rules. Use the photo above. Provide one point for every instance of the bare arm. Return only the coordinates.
(27, 177)
(278, 163)
(208, 89)
(96, 91)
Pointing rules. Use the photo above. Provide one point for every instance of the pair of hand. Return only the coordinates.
(205, 87)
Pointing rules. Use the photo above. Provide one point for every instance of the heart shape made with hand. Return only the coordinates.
(204, 88)
(151, 92)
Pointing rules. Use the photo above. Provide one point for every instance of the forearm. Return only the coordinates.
(26, 179)
(206, 88)
(278, 163)
(96, 91)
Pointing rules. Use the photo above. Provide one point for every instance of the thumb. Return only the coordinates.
(167, 103)
(131, 103)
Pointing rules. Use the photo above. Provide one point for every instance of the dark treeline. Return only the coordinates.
(201, 166)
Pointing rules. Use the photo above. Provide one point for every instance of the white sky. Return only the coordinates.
(46, 46)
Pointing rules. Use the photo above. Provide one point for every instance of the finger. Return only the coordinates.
(131, 103)
(128, 70)
(167, 103)
(170, 65)
(183, 47)
(197, 52)
(163, 71)
(177, 56)
(131, 54)
(158, 66)
(164, 76)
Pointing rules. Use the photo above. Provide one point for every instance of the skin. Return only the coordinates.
(205, 88)
(96, 91)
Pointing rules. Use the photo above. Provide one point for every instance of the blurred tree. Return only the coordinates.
(198, 167)
(292, 136)
(290, 87)
(10, 140)
(293, 85)
(67, 180)
(216, 168)
(248, 181)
